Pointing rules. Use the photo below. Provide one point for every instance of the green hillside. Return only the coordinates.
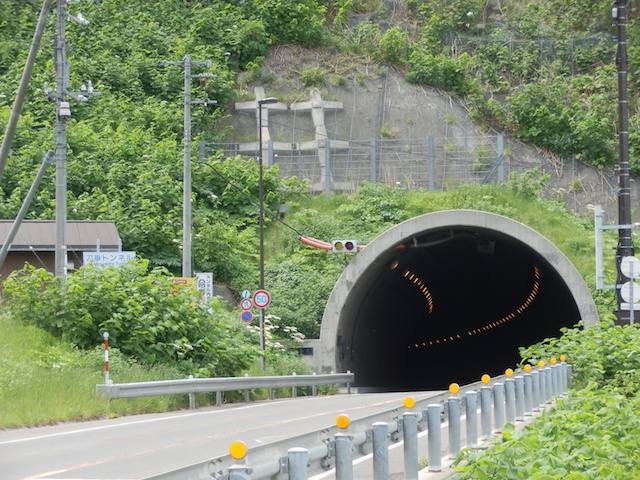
(543, 71)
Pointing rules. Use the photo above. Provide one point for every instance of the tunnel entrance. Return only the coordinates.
(447, 297)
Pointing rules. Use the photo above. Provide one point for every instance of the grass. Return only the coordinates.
(44, 380)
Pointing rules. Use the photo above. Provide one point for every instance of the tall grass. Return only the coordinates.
(44, 380)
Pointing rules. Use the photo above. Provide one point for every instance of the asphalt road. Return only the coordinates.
(139, 446)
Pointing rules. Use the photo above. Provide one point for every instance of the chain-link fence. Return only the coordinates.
(336, 165)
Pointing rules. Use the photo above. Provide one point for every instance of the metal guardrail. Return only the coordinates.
(208, 385)
(506, 400)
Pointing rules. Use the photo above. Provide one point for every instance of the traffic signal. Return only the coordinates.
(344, 246)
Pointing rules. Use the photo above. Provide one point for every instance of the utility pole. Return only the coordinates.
(187, 63)
(63, 111)
(625, 242)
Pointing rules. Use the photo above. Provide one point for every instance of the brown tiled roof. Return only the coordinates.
(82, 235)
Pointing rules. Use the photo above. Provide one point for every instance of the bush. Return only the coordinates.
(147, 317)
(599, 354)
(441, 71)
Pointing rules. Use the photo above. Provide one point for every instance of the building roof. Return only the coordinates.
(82, 235)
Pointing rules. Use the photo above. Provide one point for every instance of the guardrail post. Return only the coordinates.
(569, 375)
(219, 398)
(380, 451)
(549, 384)
(485, 412)
(543, 387)
(192, 397)
(298, 459)
(471, 407)
(294, 389)
(528, 394)
(566, 378)
(535, 399)
(498, 406)
(410, 436)
(519, 398)
(246, 392)
(349, 384)
(344, 462)
(556, 380)
(454, 426)
(510, 400)
(434, 436)
(239, 472)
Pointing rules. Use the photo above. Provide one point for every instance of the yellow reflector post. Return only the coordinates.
(552, 361)
(485, 378)
(541, 364)
(508, 372)
(238, 450)
(409, 402)
(527, 368)
(343, 421)
(454, 388)
(563, 358)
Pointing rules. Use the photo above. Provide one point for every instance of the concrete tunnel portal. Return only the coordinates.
(446, 297)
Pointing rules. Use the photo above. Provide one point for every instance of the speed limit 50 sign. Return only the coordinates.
(261, 299)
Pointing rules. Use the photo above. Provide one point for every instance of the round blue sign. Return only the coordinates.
(246, 316)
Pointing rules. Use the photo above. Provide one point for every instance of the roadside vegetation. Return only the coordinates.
(49, 371)
(592, 434)
(542, 70)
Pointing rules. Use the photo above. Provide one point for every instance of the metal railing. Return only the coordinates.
(501, 401)
(218, 385)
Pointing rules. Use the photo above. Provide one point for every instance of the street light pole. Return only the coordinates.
(262, 102)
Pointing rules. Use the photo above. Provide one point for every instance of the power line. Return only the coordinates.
(251, 199)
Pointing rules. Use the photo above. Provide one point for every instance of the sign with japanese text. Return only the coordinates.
(108, 259)
(204, 284)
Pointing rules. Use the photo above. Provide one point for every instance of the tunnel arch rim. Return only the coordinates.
(422, 224)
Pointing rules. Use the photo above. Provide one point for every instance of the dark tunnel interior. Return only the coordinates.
(450, 306)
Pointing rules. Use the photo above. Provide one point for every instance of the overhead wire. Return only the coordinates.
(303, 238)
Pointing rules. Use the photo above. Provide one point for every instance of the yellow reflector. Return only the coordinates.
(527, 368)
(541, 364)
(343, 421)
(409, 402)
(485, 378)
(508, 372)
(553, 361)
(563, 358)
(454, 388)
(238, 450)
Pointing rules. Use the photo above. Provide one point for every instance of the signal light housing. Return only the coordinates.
(344, 246)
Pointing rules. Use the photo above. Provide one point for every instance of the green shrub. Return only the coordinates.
(599, 354)
(394, 46)
(441, 71)
(144, 319)
(313, 77)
